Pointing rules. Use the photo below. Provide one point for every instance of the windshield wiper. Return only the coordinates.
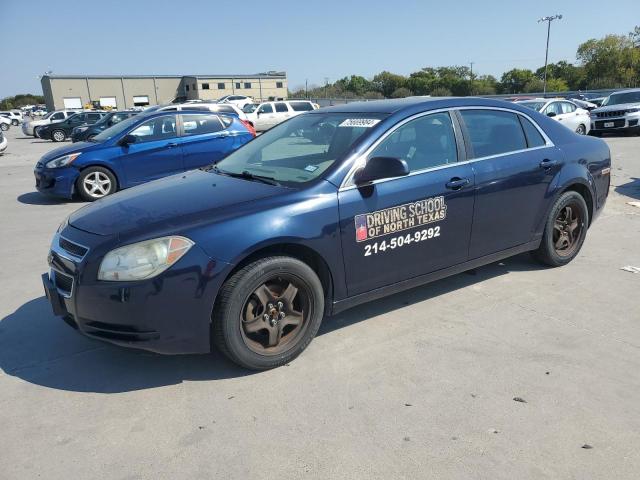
(247, 175)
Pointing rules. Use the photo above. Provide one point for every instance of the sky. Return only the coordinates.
(309, 40)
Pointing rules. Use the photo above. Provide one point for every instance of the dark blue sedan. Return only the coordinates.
(141, 148)
(328, 210)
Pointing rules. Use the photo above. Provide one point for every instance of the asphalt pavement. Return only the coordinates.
(513, 371)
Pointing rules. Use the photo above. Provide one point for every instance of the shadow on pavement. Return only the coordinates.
(630, 189)
(37, 198)
(41, 349)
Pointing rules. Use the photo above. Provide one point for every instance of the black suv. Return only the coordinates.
(87, 132)
(60, 131)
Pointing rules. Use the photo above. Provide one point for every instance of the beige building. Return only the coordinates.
(122, 92)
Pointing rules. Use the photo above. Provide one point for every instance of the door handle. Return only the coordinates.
(172, 145)
(457, 183)
(547, 164)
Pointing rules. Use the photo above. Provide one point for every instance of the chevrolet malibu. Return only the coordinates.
(326, 211)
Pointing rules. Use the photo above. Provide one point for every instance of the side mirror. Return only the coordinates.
(551, 114)
(127, 140)
(378, 168)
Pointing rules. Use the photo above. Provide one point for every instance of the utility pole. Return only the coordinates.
(471, 78)
(546, 55)
(306, 88)
(326, 84)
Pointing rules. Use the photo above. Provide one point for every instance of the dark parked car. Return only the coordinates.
(87, 132)
(60, 131)
(325, 211)
(139, 149)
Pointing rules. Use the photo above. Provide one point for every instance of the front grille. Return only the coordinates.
(616, 124)
(73, 248)
(615, 113)
(64, 283)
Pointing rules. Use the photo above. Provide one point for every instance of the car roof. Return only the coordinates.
(628, 90)
(413, 104)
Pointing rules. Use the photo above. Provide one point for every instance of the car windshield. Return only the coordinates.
(537, 106)
(301, 149)
(620, 98)
(115, 130)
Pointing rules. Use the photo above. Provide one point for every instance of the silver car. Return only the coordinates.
(619, 113)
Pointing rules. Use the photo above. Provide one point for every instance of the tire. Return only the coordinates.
(4, 127)
(58, 136)
(560, 244)
(268, 340)
(581, 130)
(89, 190)
(15, 122)
(35, 133)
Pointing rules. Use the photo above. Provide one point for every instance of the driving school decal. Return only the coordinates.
(396, 219)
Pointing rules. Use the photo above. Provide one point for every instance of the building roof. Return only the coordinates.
(250, 75)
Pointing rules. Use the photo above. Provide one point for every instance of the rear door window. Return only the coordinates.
(200, 124)
(301, 106)
(568, 107)
(534, 138)
(156, 129)
(493, 132)
(281, 107)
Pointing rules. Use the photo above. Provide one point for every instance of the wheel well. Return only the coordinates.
(305, 254)
(586, 194)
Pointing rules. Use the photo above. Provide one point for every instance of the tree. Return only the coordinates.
(355, 84)
(20, 100)
(440, 92)
(612, 61)
(401, 93)
(574, 76)
(515, 80)
(386, 83)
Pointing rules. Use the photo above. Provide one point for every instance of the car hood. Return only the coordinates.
(183, 199)
(614, 108)
(72, 148)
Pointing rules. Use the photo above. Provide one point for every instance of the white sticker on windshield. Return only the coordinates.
(359, 122)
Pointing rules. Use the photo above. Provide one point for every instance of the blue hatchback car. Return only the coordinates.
(323, 212)
(141, 148)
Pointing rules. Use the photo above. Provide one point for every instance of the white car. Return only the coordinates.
(14, 115)
(5, 123)
(564, 111)
(239, 100)
(210, 106)
(3, 142)
(269, 114)
(28, 128)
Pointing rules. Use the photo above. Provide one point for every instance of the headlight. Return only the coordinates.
(633, 110)
(62, 161)
(143, 260)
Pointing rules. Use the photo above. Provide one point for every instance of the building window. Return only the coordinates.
(205, 86)
(279, 85)
(221, 86)
(194, 86)
(187, 88)
(238, 85)
(247, 85)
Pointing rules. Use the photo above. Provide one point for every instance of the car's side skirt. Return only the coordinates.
(341, 305)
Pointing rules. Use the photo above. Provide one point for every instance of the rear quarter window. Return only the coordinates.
(301, 106)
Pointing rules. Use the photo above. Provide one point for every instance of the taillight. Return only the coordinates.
(252, 130)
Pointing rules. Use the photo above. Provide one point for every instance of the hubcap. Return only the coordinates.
(97, 184)
(59, 136)
(567, 230)
(275, 315)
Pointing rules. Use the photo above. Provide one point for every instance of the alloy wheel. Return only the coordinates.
(275, 315)
(58, 136)
(97, 184)
(581, 130)
(567, 229)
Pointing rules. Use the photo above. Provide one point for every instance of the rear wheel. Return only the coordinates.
(4, 126)
(268, 312)
(58, 136)
(565, 230)
(14, 122)
(96, 182)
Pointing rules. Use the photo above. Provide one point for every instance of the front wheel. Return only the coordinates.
(581, 130)
(58, 136)
(268, 312)
(15, 122)
(95, 182)
(565, 230)
(4, 127)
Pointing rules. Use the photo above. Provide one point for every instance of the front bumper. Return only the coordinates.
(59, 182)
(168, 314)
(616, 124)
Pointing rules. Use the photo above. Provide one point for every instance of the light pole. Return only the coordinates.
(546, 55)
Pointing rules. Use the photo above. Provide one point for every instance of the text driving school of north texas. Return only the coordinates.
(402, 217)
